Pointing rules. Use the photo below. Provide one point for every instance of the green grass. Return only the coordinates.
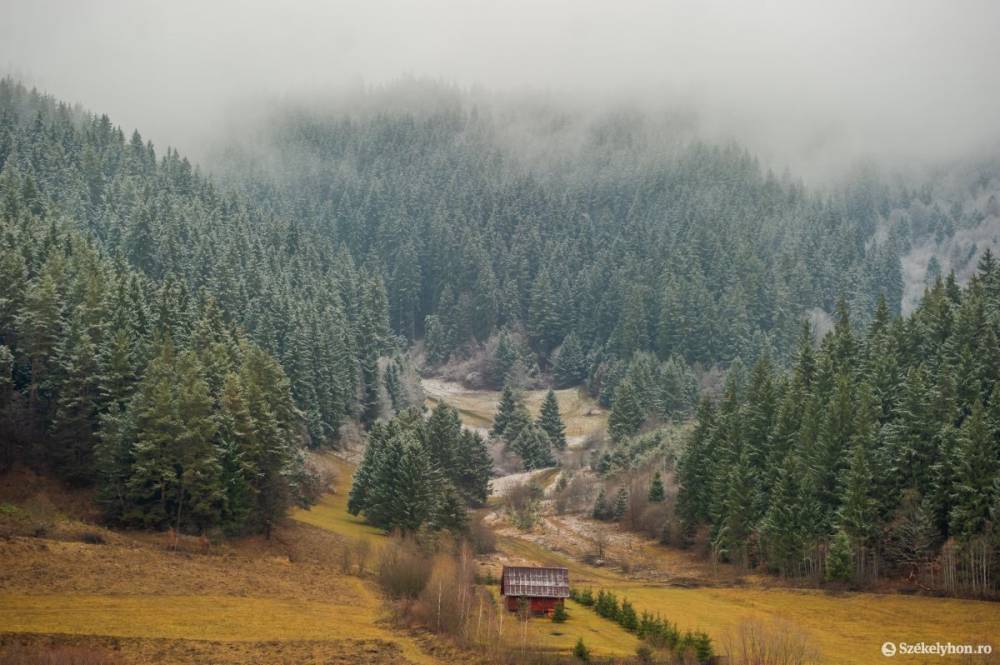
(330, 513)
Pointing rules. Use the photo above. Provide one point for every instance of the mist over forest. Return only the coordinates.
(712, 281)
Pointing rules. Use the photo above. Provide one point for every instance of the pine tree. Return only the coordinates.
(694, 469)
(976, 468)
(475, 468)
(505, 410)
(532, 445)
(657, 494)
(570, 366)
(627, 414)
(620, 505)
(601, 511)
(736, 515)
(443, 435)
(782, 527)
(858, 513)
(76, 405)
(551, 422)
(838, 559)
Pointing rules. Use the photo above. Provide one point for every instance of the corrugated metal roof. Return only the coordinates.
(535, 582)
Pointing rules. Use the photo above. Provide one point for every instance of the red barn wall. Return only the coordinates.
(536, 605)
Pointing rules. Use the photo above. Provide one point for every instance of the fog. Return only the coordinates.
(815, 86)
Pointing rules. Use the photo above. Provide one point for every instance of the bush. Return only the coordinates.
(521, 501)
(757, 643)
(644, 653)
(445, 600)
(402, 570)
(560, 614)
(92, 538)
(482, 540)
(581, 652)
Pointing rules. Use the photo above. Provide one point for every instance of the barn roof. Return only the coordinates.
(534, 582)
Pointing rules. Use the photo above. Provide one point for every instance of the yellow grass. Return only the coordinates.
(189, 617)
(848, 628)
(330, 512)
(226, 618)
(580, 413)
(601, 636)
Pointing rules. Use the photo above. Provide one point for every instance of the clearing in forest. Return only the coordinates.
(581, 414)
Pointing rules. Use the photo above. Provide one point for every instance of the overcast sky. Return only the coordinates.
(901, 79)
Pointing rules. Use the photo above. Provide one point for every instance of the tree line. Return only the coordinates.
(876, 454)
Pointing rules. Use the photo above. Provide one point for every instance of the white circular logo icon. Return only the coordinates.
(889, 649)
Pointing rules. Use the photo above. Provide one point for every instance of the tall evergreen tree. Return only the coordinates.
(551, 422)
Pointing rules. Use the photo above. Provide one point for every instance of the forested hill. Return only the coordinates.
(876, 455)
(342, 234)
(299, 295)
(613, 227)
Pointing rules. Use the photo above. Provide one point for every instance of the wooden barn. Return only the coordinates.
(542, 589)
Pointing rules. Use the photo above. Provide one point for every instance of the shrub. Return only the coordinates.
(560, 614)
(92, 538)
(521, 501)
(481, 537)
(644, 653)
(402, 570)
(758, 643)
(581, 652)
(445, 600)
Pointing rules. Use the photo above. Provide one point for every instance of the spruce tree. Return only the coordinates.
(532, 445)
(976, 468)
(475, 468)
(551, 422)
(627, 414)
(602, 510)
(505, 410)
(657, 494)
(621, 504)
(570, 366)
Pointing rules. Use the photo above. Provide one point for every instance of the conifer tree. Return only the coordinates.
(620, 505)
(602, 510)
(657, 494)
(570, 366)
(838, 559)
(505, 411)
(475, 468)
(532, 445)
(976, 468)
(551, 422)
(443, 437)
(627, 414)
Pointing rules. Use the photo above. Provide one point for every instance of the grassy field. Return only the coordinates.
(848, 628)
(252, 600)
(331, 511)
(603, 637)
(580, 413)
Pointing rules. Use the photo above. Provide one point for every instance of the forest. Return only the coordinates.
(876, 454)
(282, 296)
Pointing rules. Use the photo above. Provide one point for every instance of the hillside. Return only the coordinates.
(139, 595)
